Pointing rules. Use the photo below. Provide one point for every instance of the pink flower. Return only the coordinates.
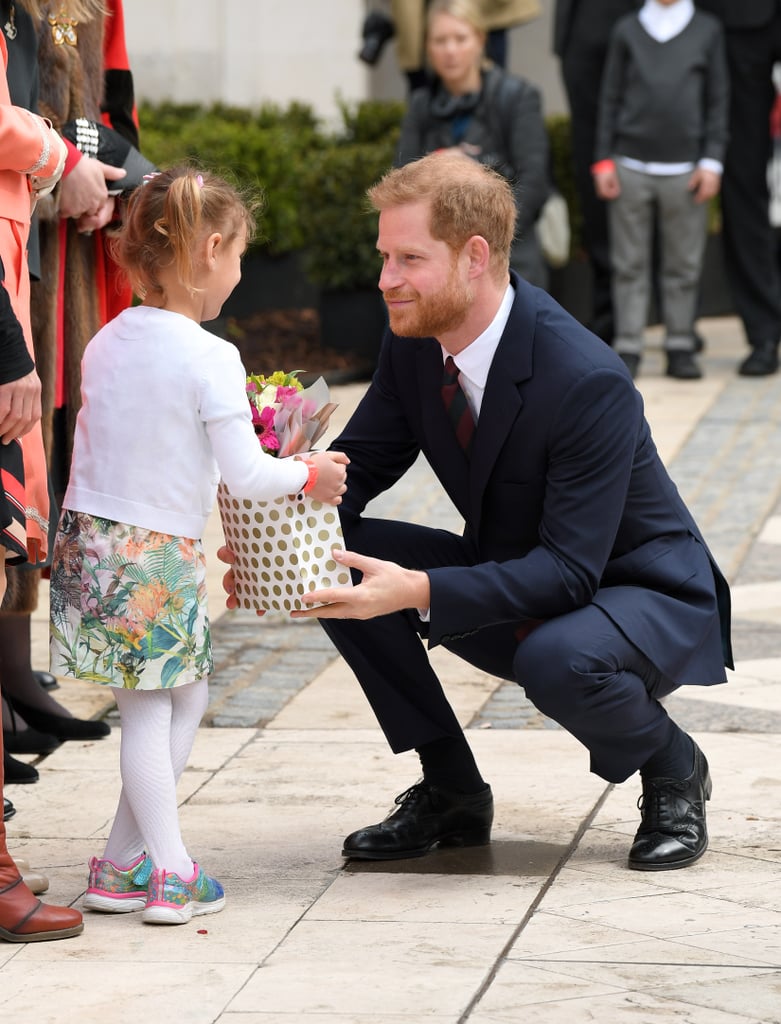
(264, 428)
(284, 393)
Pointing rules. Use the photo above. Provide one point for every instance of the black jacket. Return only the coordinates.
(507, 129)
(742, 13)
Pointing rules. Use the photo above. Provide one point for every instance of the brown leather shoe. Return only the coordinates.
(23, 918)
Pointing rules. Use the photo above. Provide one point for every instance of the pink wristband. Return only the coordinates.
(311, 479)
(603, 165)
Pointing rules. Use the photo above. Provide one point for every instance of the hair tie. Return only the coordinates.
(199, 179)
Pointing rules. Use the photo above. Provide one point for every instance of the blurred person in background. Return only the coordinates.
(472, 107)
(409, 23)
(33, 158)
(752, 31)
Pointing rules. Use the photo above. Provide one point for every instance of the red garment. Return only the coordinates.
(113, 292)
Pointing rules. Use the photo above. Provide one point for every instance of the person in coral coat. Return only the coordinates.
(83, 72)
(33, 157)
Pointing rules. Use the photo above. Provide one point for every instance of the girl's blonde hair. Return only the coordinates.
(168, 215)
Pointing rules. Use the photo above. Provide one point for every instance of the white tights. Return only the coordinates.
(158, 730)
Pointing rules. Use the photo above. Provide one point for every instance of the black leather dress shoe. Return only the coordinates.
(8, 809)
(673, 833)
(18, 771)
(683, 366)
(427, 816)
(29, 741)
(63, 727)
(761, 361)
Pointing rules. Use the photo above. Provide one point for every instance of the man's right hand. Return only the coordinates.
(229, 580)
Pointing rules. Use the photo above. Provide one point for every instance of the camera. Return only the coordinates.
(377, 30)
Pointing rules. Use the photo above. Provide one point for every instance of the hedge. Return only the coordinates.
(314, 177)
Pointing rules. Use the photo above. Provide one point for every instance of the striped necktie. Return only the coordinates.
(457, 406)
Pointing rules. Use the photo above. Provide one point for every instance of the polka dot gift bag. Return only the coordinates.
(283, 547)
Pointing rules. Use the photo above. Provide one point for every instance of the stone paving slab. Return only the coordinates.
(545, 924)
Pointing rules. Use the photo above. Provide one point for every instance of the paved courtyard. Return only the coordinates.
(546, 924)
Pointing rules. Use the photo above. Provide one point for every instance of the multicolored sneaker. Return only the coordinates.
(173, 900)
(116, 890)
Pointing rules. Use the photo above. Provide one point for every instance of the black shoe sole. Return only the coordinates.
(479, 837)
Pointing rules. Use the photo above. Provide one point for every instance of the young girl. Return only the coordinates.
(164, 414)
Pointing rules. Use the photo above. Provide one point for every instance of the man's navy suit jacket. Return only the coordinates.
(565, 499)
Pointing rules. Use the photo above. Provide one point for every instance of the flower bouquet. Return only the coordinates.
(283, 547)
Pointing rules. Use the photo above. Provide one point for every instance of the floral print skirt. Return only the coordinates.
(128, 605)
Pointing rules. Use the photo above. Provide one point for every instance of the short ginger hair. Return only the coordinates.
(465, 197)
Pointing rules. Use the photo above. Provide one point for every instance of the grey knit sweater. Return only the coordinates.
(664, 102)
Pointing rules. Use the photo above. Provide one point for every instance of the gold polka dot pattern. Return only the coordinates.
(283, 549)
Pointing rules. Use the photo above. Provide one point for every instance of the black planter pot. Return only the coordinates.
(354, 322)
(271, 282)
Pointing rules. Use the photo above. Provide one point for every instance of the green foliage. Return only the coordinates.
(315, 178)
(372, 120)
(340, 230)
(261, 150)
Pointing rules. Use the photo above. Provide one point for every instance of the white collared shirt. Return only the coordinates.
(475, 360)
(664, 21)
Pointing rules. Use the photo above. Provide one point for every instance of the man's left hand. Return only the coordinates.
(386, 587)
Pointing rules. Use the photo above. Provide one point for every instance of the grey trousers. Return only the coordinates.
(682, 226)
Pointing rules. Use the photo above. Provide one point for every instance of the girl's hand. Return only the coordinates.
(331, 481)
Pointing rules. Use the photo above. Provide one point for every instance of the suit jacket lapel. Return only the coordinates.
(465, 480)
(502, 402)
